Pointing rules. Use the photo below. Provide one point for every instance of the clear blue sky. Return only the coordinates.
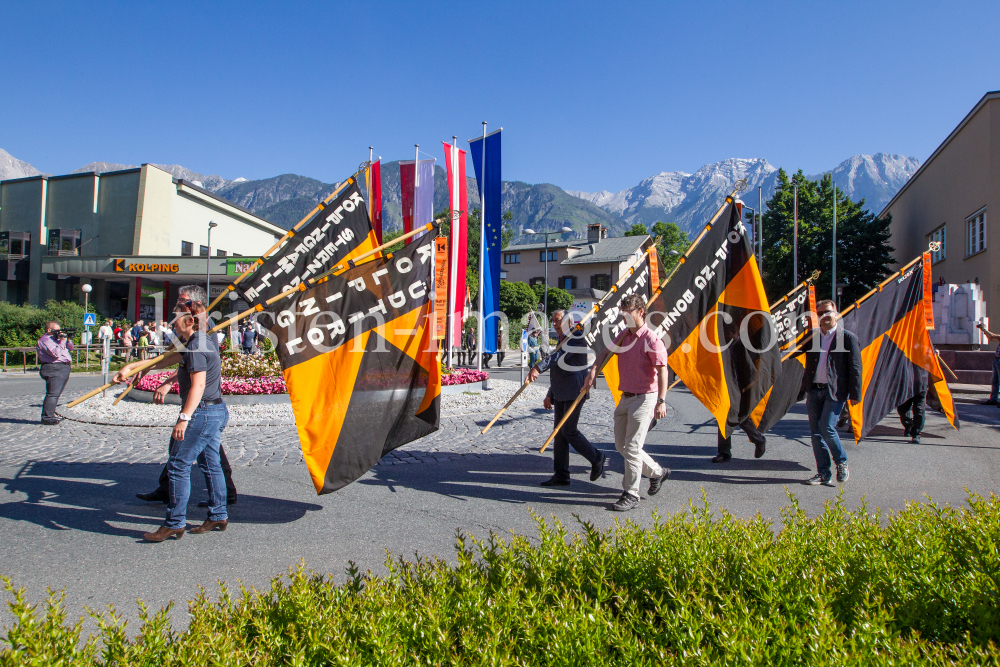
(591, 95)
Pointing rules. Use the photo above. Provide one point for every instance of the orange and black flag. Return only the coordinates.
(360, 361)
(337, 232)
(714, 318)
(794, 318)
(891, 325)
(601, 331)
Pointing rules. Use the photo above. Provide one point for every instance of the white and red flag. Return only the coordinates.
(458, 202)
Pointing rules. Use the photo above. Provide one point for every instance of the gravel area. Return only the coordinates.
(99, 410)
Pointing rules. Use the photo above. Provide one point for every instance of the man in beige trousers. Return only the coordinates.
(642, 373)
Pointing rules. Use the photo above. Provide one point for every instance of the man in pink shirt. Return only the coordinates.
(642, 372)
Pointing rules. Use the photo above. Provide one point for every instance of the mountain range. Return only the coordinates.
(671, 196)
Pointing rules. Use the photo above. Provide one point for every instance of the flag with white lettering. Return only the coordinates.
(714, 318)
(360, 362)
(793, 320)
(608, 322)
(338, 232)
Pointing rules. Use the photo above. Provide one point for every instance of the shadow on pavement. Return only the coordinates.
(100, 498)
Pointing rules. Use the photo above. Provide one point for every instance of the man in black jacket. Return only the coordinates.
(832, 376)
(568, 370)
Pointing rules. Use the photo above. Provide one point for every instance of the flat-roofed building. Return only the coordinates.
(135, 235)
(950, 200)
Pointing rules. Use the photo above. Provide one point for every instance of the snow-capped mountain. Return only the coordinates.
(675, 196)
(690, 199)
(875, 178)
(11, 167)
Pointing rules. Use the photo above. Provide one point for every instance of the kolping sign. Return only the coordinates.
(123, 265)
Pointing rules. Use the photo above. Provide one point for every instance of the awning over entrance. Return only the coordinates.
(191, 269)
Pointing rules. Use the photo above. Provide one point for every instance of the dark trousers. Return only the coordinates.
(996, 379)
(500, 355)
(55, 376)
(568, 435)
(913, 426)
(227, 472)
(726, 444)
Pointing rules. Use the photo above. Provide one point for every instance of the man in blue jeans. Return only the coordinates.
(832, 376)
(197, 435)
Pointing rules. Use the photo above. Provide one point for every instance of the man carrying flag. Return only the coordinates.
(642, 373)
(832, 376)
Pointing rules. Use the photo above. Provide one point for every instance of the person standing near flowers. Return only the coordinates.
(188, 297)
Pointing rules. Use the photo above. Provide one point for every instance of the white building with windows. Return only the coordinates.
(949, 200)
(135, 235)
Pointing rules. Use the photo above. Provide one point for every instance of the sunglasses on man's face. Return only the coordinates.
(823, 313)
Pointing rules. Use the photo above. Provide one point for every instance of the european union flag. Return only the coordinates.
(490, 193)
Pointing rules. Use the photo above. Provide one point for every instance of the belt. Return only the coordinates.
(819, 385)
(211, 401)
(50, 363)
(628, 394)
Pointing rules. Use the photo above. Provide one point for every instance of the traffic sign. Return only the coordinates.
(89, 319)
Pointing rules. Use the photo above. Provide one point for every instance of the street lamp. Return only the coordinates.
(564, 230)
(208, 263)
(86, 289)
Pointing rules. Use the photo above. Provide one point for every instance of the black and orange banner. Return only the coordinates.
(714, 318)
(891, 326)
(337, 232)
(360, 363)
(608, 322)
(794, 318)
(440, 286)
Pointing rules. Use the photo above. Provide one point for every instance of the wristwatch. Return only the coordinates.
(183, 417)
(660, 400)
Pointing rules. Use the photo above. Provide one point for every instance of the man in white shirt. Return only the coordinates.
(106, 331)
(832, 376)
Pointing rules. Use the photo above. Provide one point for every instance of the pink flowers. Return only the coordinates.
(450, 376)
(230, 385)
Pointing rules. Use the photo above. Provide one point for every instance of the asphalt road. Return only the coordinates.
(78, 526)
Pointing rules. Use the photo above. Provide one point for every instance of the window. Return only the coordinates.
(975, 231)
(567, 282)
(552, 255)
(64, 242)
(186, 248)
(203, 251)
(512, 258)
(601, 281)
(536, 281)
(937, 236)
(16, 247)
(220, 253)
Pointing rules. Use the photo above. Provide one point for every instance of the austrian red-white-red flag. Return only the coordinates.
(458, 201)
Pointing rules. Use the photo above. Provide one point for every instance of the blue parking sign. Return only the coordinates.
(89, 319)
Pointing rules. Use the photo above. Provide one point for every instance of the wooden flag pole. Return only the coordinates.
(255, 309)
(587, 317)
(944, 365)
(741, 185)
(319, 207)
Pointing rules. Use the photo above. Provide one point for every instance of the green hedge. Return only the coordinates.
(698, 588)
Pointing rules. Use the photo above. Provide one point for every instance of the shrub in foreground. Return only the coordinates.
(846, 588)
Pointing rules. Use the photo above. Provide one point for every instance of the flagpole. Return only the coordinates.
(795, 236)
(836, 296)
(760, 217)
(480, 335)
(351, 263)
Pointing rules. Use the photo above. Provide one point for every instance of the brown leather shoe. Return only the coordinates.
(209, 526)
(163, 533)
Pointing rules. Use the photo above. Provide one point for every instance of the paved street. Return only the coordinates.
(69, 518)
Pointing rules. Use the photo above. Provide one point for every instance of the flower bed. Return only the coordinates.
(450, 376)
(230, 385)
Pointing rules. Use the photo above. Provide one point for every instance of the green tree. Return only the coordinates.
(863, 250)
(670, 237)
(638, 229)
(516, 300)
(559, 299)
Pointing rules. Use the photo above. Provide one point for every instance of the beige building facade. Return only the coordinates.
(953, 199)
(131, 235)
